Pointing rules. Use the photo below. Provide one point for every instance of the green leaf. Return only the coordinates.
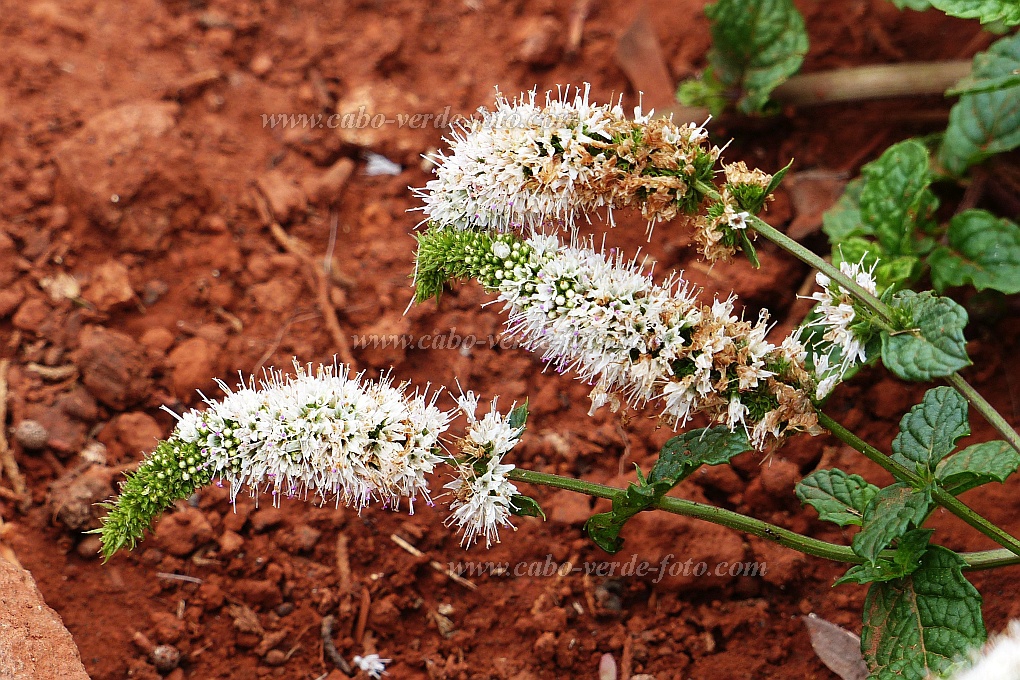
(928, 432)
(983, 251)
(921, 624)
(679, 457)
(519, 416)
(972, 85)
(976, 465)
(604, 528)
(933, 345)
(895, 199)
(705, 91)
(843, 219)
(756, 46)
(904, 561)
(987, 11)
(891, 513)
(683, 454)
(984, 124)
(837, 496)
(525, 506)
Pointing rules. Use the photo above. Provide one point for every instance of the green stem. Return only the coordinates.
(987, 559)
(939, 495)
(808, 257)
(883, 314)
(986, 410)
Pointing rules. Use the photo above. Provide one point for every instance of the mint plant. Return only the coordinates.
(513, 181)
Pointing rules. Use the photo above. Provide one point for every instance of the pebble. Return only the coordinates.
(31, 315)
(779, 476)
(31, 435)
(194, 364)
(88, 548)
(72, 499)
(138, 432)
(165, 658)
(230, 543)
(113, 367)
(10, 299)
(285, 198)
(540, 41)
(181, 532)
(275, 657)
(110, 286)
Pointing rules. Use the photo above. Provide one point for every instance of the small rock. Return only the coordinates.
(180, 533)
(540, 41)
(167, 628)
(545, 647)
(88, 548)
(10, 299)
(34, 643)
(194, 364)
(264, 594)
(65, 435)
(275, 296)
(31, 435)
(110, 286)
(285, 198)
(159, 339)
(275, 657)
(266, 518)
(303, 538)
(113, 367)
(326, 188)
(261, 64)
(72, 498)
(230, 543)
(165, 658)
(138, 432)
(31, 315)
(79, 404)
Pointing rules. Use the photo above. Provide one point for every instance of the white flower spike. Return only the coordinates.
(482, 494)
(341, 437)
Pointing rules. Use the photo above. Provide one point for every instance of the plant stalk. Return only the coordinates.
(986, 559)
(872, 82)
(879, 308)
(939, 495)
(987, 411)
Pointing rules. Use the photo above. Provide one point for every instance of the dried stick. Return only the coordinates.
(318, 280)
(435, 564)
(366, 604)
(343, 565)
(326, 632)
(9, 465)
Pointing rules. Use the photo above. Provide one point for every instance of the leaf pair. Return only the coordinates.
(678, 459)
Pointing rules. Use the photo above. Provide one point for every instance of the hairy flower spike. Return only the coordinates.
(843, 330)
(527, 165)
(340, 437)
(602, 317)
(483, 496)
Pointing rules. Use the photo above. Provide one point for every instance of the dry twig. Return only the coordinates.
(318, 280)
(9, 465)
(435, 564)
(326, 632)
